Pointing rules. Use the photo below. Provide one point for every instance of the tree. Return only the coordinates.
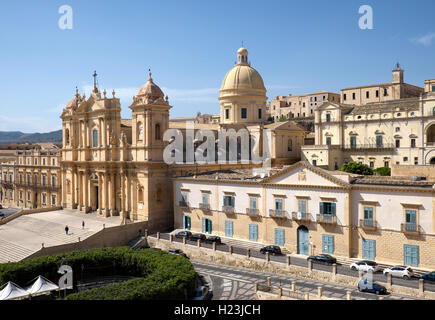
(357, 168)
(383, 171)
(283, 118)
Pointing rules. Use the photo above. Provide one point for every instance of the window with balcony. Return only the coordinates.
(278, 207)
(253, 210)
(205, 201)
(327, 212)
(229, 203)
(328, 117)
(410, 220)
(379, 141)
(368, 217)
(353, 141)
(184, 199)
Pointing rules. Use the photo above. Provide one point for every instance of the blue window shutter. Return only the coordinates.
(333, 206)
(203, 224)
(256, 232)
(331, 241)
(321, 208)
(231, 228)
(324, 243)
(209, 225)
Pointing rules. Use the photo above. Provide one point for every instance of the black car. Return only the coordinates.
(365, 285)
(178, 252)
(275, 250)
(183, 234)
(198, 236)
(323, 258)
(215, 239)
(428, 276)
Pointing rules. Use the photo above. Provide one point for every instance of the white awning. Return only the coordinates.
(12, 291)
(41, 285)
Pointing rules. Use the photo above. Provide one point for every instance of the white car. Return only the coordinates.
(365, 266)
(399, 272)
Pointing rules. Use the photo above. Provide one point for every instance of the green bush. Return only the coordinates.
(357, 168)
(159, 275)
(384, 171)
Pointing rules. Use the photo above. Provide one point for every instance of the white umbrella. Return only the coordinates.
(12, 291)
(41, 285)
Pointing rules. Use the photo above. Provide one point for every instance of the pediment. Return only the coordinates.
(303, 173)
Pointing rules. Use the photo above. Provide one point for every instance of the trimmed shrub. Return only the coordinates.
(357, 168)
(383, 171)
(159, 275)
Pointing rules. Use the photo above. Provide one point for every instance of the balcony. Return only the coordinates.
(280, 214)
(410, 228)
(252, 212)
(367, 224)
(228, 209)
(370, 147)
(301, 216)
(7, 185)
(327, 218)
(204, 206)
(183, 204)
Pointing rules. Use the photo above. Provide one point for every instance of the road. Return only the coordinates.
(241, 247)
(235, 283)
(8, 211)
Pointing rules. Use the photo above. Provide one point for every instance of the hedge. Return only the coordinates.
(159, 275)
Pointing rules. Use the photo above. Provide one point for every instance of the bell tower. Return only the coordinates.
(150, 120)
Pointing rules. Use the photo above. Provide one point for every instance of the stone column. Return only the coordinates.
(106, 194)
(128, 193)
(73, 188)
(100, 187)
(122, 187)
(319, 292)
(113, 195)
(85, 182)
(80, 191)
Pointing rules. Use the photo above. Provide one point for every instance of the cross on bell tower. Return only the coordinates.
(95, 81)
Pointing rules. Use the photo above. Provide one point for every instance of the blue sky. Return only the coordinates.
(297, 46)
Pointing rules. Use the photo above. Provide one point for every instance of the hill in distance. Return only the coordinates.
(17, 137)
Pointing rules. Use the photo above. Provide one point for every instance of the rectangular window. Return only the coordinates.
(328, 117)
(377, 93)
(386, 164)
(43, 162)
(228, 229)
(43, 198)
(53, 180)
(205, 201)
(372, 164)
(259, 114)
(278, 207)
(28, 196)
(327, 208)
(412, 143)
(368, 249)
(227, 114)
(244, 113)
(53, 200)
(397, 143)
(344, 97)
(368, 216)
(353, 141)
(379, 142)
(385, 92)
(183, 200)
(433, 88)
(302, 206)
(43, 180)
(253, 232)
(279, 237)
(253, 203)
(411, 220)
(411, 255)
(405, 159)
(327, 243)
(367, 94)
(229, 201)
(328, 141)
(314, 163)
(353, 96)
(416, 160)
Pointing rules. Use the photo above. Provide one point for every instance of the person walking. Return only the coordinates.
(66, 229)
(83, 224)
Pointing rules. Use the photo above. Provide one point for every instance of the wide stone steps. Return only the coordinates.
(12, 252)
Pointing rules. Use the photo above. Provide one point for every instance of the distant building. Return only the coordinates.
(376, 129)
(32, 179)
(299, 106)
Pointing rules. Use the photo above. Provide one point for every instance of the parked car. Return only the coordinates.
(399, 272)
(215, 239)
(178, 252)
(1, 207)
(275, 250)
(198, 236)
(428, 276)
(183, 234)
(202, 293)
(365, 285)
(2, 215)
(323, 258)
(365, 266)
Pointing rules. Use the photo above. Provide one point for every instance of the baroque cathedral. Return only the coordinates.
(115, 166)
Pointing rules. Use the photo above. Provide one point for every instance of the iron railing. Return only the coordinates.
(301, 216)
(228, 209)
(369, 146)
(252, 212)
(278, 214)
(367, 223)
(204, 206)
(410, 228)
(327, 218)
(184, 204)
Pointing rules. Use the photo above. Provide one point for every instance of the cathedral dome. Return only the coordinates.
(150, 89)
(242, 76)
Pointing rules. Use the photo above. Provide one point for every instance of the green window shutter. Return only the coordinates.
(321, 208)
(209, 225)
(333, 208)
(188, 223)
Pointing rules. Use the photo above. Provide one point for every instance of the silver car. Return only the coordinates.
(399, 272)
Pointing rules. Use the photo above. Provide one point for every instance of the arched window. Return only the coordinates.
(67, 136)
(140, 195)
(95, 138)
(139, 131)
(157, 131)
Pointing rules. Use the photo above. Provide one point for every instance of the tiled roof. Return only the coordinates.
(392, 181)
